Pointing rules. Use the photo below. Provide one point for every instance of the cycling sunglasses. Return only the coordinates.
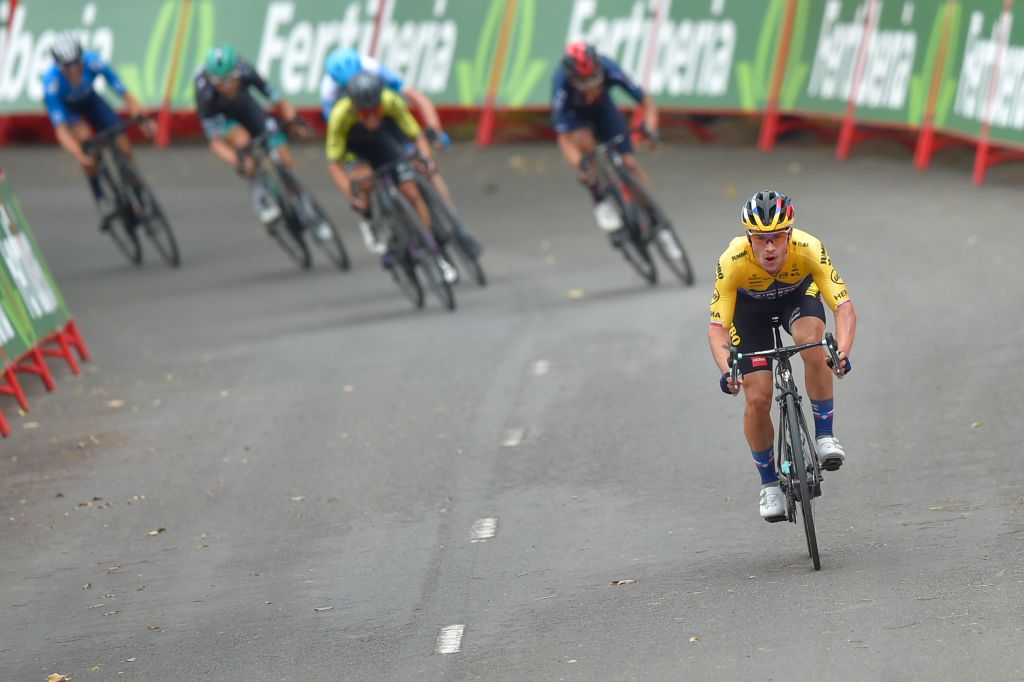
(769, 236)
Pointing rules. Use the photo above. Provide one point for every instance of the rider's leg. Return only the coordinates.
(82, 132)
(818, 379)
(411, 192)
(760, 433)
(360, 176)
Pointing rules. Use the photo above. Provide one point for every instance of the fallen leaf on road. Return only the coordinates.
(115, 403)
(114, 569)
(140, 588)
(975, 425)
(625, 581)
(58, 677)
(96, 606)
(695, 639)
(571, 660)
(87, 586)
(152, 628)
(298, 498)
(348, 388)
(130, 660)
(112, 613)
(156, 532)
(30, 425)
(94, 669)
(575, 293)
(323, 608)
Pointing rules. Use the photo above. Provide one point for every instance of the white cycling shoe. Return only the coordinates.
(773, 503)
(373, 244)
(268, 212)
(608, 219)
(830, 452)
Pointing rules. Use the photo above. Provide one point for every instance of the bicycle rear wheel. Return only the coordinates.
(288, 236)
(802, 474)
(403, 272)
(425, 255)
(154, 223)
(634, 246)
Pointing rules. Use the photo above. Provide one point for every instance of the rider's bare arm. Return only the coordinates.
(424, 106)
(570, 150)
(224, 151)
(650, 113)
(340, 178)
(66, 138)
(846, 327)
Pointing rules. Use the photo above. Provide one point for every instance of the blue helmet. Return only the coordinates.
(342, 64)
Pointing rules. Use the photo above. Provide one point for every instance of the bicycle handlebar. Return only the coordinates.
(106, 136)
(829, 342)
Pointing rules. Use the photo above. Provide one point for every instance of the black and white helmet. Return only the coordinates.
(66, 49)
(364, 89)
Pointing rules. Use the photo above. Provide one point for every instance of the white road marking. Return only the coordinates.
(541, 367)
(484, 529)
(449, 640)
(513, 437)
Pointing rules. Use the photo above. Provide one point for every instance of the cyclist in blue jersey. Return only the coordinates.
(76, 110)
(584, 114)
(345, 62)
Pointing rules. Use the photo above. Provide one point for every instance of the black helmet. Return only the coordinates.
(66, 49)
(768, 211)
(364, 90)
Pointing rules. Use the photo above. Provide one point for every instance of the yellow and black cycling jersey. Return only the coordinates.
(738, 274)
(349, 140)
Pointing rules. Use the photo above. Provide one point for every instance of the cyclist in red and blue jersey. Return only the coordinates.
(76, 110)
(584, 114)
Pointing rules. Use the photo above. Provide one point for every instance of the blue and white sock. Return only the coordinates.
(765, 461)
(823, 412)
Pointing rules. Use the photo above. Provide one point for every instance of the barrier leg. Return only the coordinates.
(5, 429)
(62, 340)
(75, 337)
(33, 363)
(13, 388)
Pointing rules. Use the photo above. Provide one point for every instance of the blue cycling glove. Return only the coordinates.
(847, 365)
(724, 383)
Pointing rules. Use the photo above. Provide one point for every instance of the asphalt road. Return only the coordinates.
(310, 442)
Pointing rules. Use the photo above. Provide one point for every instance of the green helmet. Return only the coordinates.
(221, 62)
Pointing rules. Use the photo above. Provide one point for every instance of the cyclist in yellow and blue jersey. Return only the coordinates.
(369, 128)
(778, 270)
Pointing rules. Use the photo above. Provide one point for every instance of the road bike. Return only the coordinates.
(299, 211)
(133, 205)
(411, 247)
(796, 460)
(642, 218)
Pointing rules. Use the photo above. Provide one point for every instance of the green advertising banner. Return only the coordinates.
(425, 42)
(986, 43)
(899, 59)
(708, 54)
(16, 337)
(38, 302)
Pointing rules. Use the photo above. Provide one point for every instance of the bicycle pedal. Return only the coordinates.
(775, 519)
(832, 464)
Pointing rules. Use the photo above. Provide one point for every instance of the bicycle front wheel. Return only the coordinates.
(426, 256)
(324, 233)
(448, 222)
(119, 224)
(154, 223)
(802, 473)
(669, 245)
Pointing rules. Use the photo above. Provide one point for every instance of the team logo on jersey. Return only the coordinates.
(759, 362)
(718, 271)
(824, 256)
(715, 297)
(836, 279)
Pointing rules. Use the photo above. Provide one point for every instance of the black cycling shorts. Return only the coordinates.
(752, 322)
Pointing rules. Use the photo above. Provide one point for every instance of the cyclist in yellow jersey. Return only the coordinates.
(369, 128)
(778, 270)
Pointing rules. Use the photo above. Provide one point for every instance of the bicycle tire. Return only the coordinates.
(287, 230)
(118, 224)
(451, 226)
(154, 222)
(425, 255)
(680, 266)
(404, 273)
(333, 246)
(634, 248)
(803, 485)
